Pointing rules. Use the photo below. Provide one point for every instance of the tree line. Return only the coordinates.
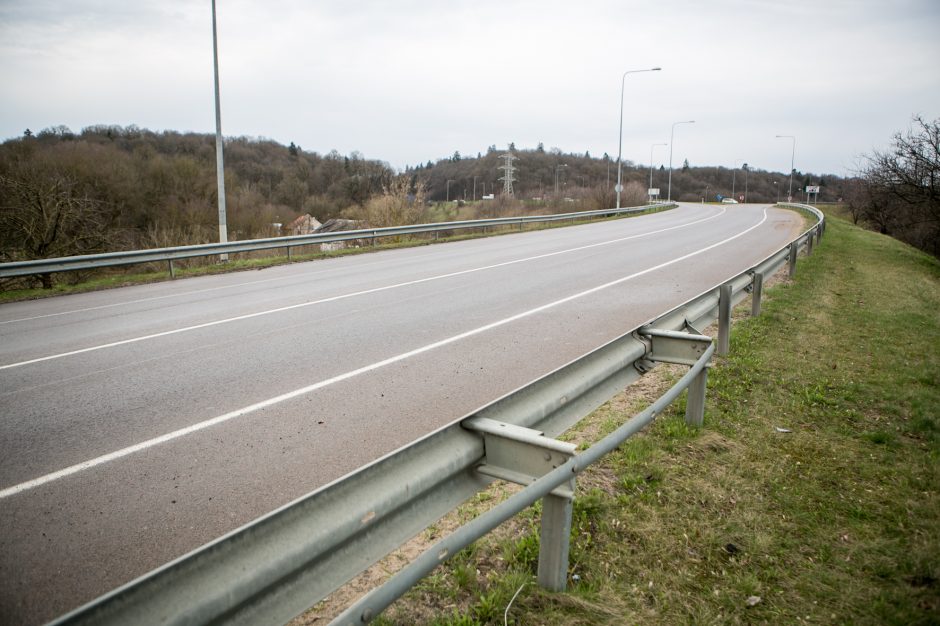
(897, 191)
(110, 188)
(116, 188)
(549, 173)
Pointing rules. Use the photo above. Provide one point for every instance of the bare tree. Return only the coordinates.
(401, 202)
(902, 187)
(47, 216)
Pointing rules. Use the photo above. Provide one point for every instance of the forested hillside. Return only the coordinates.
(586, 176)
(112, 188)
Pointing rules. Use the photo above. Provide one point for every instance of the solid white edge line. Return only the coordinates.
(345, 296)
(36, 482)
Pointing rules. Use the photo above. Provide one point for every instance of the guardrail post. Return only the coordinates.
(757, 287)
(172, 269)
(289, 255)
(794, 250)
(809, 243)
(724, 319)
(553, 547)
(695, 403)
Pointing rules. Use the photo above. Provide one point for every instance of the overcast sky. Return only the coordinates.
(413, 80)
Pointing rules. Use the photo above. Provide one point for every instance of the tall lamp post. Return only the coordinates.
(672, 137)
(623, 80)
(746, 169)
(651, 166)
(449, 181)
(734, 174)
(219, 165)
(792, 156)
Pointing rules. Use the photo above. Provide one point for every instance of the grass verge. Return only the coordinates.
(836, 520)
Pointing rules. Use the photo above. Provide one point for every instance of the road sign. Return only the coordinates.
(812, 189)
(618, 188)
(653, 191)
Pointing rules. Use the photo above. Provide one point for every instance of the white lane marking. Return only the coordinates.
(36, 482)
(346, 295)
(177, 295)
(249, 283)
(143, 300)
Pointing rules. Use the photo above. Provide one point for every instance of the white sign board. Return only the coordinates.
(812, 189)
(653, 191)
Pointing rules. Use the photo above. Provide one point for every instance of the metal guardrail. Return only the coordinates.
(131, 257)
(276, 567)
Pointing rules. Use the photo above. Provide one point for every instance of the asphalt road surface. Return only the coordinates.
(137, 424)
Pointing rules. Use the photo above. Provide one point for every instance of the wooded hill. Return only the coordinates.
(581, 176)
(113, 188)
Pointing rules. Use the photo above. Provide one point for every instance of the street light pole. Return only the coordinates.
(651, 166)
(746, 169)
(475, 188)
(734, 174)
(219, 164)
(449, 181)
(623, 80)
(672, 137)
(792, 156)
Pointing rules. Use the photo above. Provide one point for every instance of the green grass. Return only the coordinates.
(836, 522)
(70, 283)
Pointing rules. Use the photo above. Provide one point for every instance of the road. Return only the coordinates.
(137, 424)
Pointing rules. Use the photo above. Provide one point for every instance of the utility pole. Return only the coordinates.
(509, 170)
(745, 183)
(792, 157)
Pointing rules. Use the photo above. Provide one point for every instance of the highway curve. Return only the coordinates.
(137, 424)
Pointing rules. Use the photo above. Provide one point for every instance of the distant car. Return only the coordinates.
(728, 201)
